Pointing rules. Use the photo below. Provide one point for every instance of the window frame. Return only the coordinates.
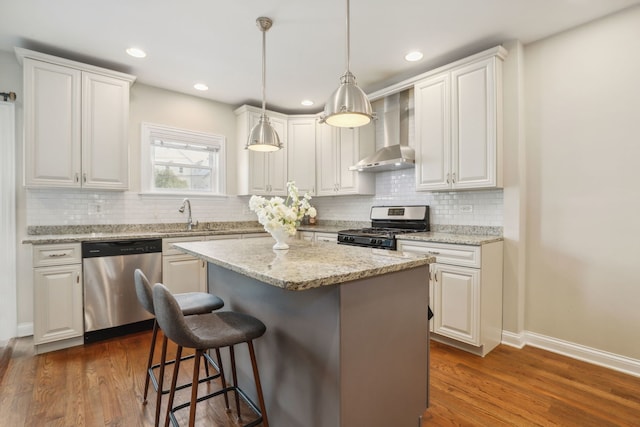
(151, 130)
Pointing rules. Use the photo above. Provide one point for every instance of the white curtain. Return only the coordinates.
(8, 304)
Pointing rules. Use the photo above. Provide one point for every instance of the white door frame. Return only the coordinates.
(8, 292)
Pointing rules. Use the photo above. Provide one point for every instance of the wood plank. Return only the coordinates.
(101, 385)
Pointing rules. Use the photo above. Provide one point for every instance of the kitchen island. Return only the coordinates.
(347, 330)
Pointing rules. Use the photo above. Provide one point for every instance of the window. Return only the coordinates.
(178, 161)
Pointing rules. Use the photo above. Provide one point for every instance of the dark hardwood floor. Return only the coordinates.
(101, 385)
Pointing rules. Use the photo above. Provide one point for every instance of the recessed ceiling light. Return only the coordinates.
(413, 56)
(307, 102)
(201, 86)
(136, 53)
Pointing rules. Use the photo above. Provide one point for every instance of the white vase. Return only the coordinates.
(280, 234)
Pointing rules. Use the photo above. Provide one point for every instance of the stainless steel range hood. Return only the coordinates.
(396, 153)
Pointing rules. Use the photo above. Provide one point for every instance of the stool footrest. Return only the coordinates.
(235, 389)
(154, 380)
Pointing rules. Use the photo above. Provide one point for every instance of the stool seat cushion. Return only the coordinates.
(198, 302)
(189, 302)
(222, 329)
(203, 331)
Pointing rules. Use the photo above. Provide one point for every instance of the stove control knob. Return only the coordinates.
(373, 241)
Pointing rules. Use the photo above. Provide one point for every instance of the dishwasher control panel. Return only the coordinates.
(120, 247)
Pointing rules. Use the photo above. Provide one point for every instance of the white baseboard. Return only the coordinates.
(613, 361)
(513, 340)
(25, 329)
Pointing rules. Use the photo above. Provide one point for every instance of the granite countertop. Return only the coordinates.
(74, 234)
(121, 235)
(304, 265)
(451, 238)
(42, 235)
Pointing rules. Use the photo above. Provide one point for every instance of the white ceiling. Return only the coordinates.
(218, 43)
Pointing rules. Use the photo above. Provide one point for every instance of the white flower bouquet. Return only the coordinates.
(278, 213)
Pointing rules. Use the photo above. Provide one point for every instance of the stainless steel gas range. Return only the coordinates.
(387, 222)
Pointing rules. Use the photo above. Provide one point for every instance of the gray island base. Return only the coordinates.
(347, 330)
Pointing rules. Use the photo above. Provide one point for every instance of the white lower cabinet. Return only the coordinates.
(465, 293)
(58, 314)
(326, 237)
(317, 236)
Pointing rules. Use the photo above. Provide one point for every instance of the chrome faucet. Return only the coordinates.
(187, 203)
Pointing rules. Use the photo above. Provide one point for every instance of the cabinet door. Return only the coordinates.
(277, 160)
(433, 139)
(184, 273)
(301, 147)
(474, 137)
(52, 124)
(456, 300)
(57, 303)
(105, 147)
(347, 151)
(326, 143)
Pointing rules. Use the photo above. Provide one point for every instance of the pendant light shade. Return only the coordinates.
(348, 106)
(263, 137)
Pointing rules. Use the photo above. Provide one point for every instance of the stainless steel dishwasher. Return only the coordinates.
(111, 307)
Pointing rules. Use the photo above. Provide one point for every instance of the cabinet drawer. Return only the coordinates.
(167, 244)
(57, 254)
(326, 237)
(463, 255)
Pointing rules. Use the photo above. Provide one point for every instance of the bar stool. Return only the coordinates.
(189, 303)
(203, 332)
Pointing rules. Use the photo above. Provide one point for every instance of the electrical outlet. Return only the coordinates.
(466, 208)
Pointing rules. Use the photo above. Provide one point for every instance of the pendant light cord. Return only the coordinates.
(348, 50)
(264, 67)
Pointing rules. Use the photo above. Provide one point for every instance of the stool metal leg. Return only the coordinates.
(154, 336)
(256, 376)
(174, 382)
(223, 379)
(194, 389)
(235, 381)
(163, 360)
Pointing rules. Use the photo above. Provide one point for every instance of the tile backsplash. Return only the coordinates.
(80, 207)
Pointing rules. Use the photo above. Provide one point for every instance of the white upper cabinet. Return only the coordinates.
(76, 124)
(459, 126)
(336, 150)
(261, 173)
(301, 141)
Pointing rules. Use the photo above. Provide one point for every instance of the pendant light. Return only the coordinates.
(263, 137)
(348, 106)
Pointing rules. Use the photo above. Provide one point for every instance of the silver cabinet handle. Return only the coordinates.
(448, 178)
(77, 277)
(77, 177)
(84, 177)
(433, 252)
(58, 255)
(453, 179)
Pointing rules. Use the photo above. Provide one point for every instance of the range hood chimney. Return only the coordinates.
(396, 153)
